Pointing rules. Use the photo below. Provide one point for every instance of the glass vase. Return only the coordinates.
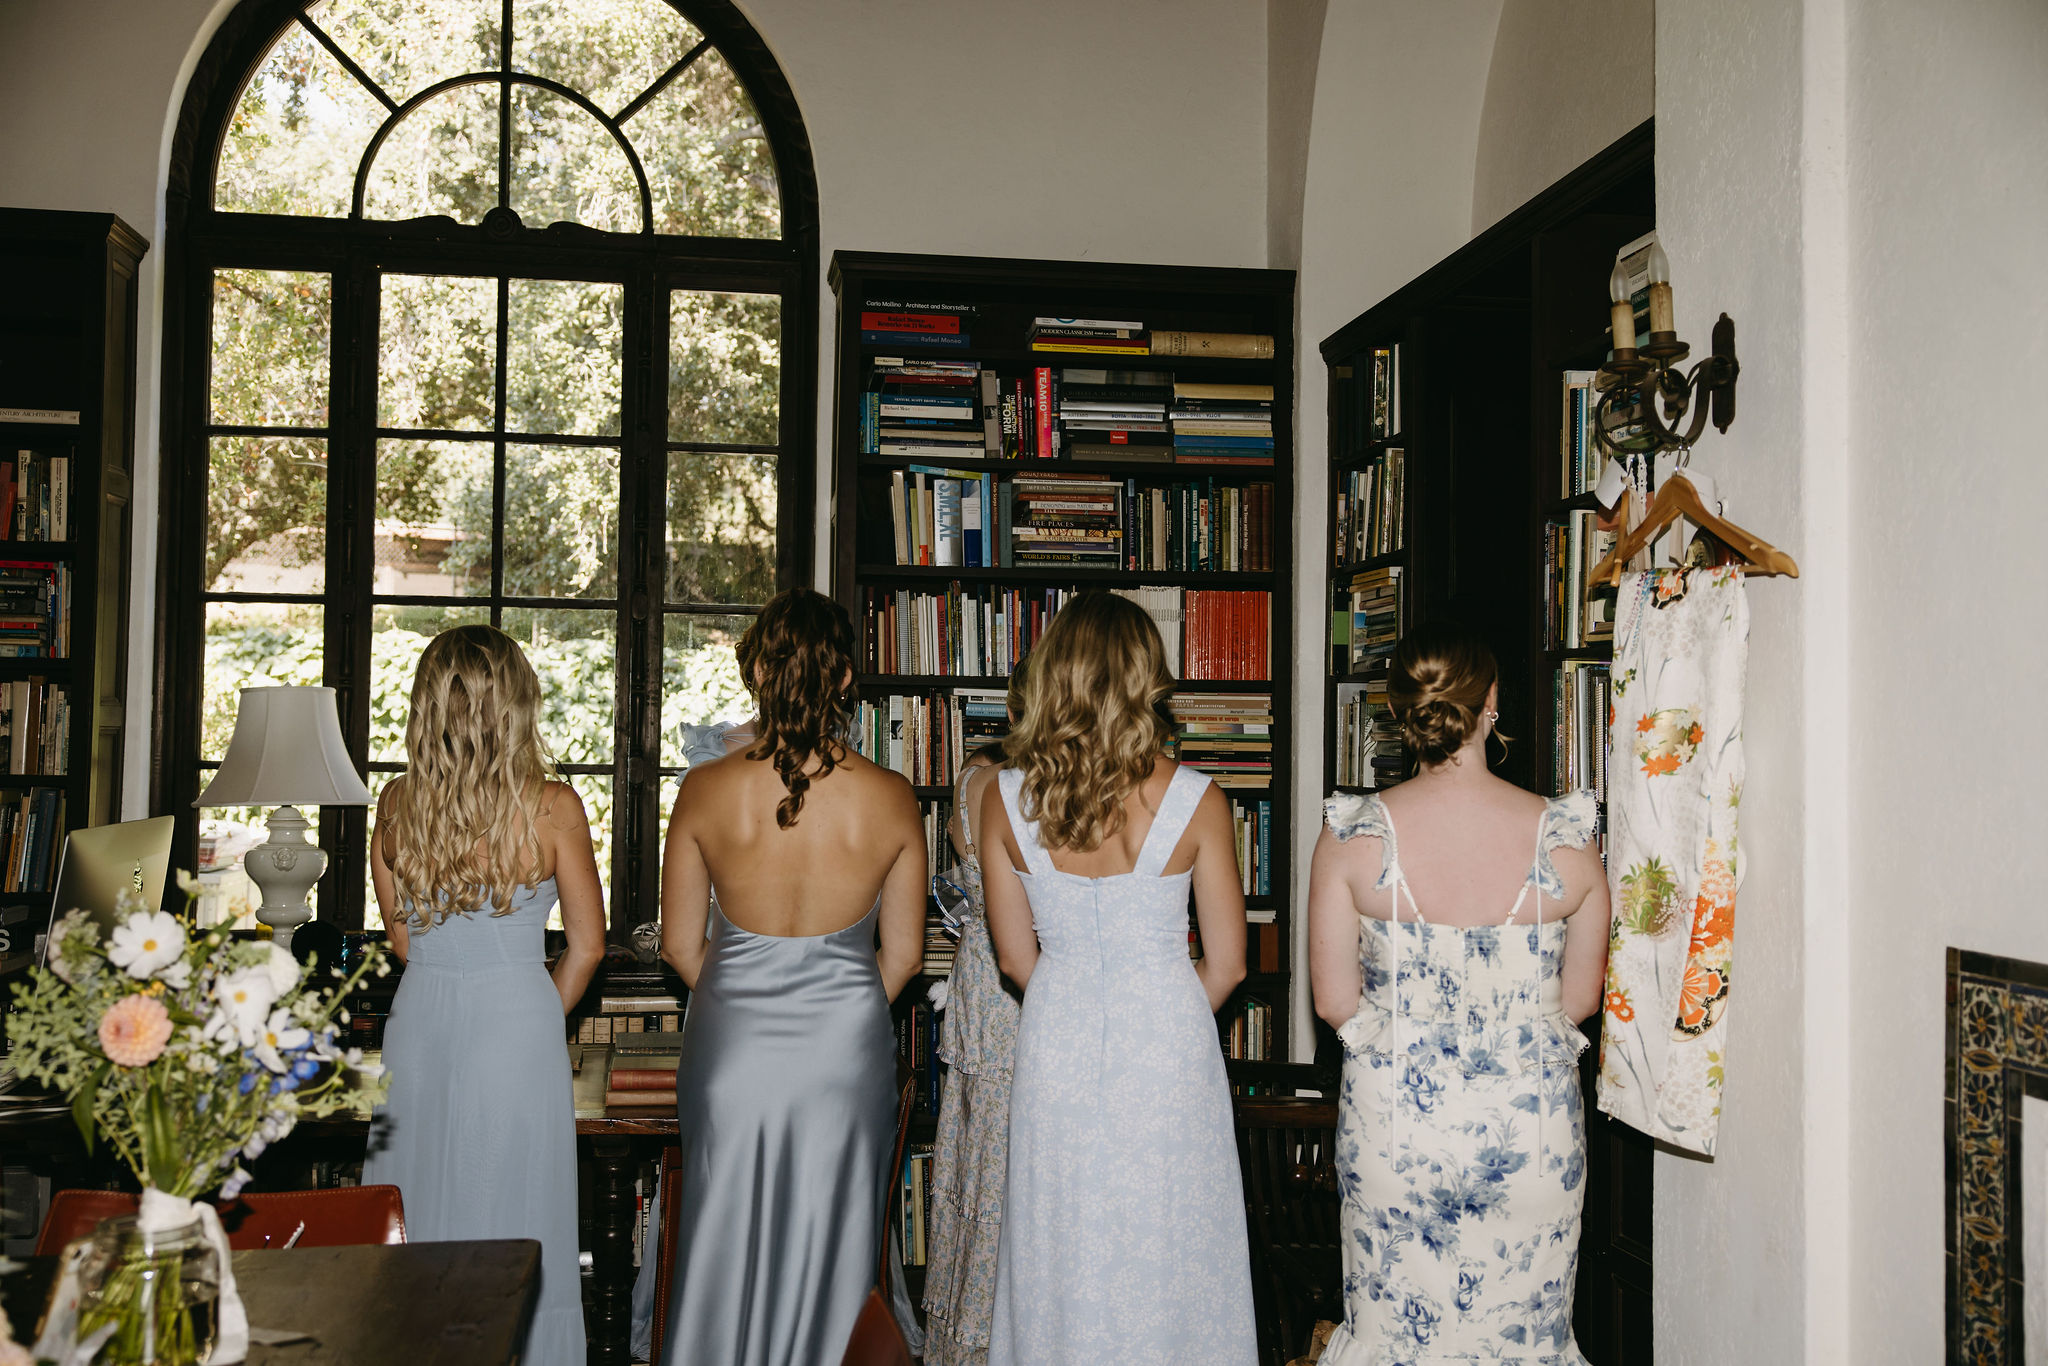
(159, 1290)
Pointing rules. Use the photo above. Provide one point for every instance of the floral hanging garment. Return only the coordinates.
(1674, 788)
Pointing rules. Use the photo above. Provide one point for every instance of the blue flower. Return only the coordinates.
(1468, 1290)
(1495, 1163)
(247, 1083)
(1421, 1318)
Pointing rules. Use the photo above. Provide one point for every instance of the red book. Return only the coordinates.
(909, 322)
(642, 1079)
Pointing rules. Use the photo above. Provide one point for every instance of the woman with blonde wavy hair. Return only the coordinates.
(475, 844)
(1123, 1229)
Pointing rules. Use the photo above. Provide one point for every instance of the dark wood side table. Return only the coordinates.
(424, 1304)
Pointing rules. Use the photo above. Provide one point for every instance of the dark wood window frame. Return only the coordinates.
(200, 240)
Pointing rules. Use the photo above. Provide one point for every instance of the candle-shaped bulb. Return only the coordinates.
(1662, 314)
(1617, 283)
(1621, 312)
(1660, 264)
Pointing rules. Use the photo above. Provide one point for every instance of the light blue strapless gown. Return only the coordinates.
(479, 1134)
(786, 1106)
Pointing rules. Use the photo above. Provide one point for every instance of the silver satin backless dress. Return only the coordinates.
(785, 1097)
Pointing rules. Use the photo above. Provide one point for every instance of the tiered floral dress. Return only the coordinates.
(1461, 1141)
(971, 1160)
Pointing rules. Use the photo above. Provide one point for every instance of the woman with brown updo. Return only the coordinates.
(786, 1085)
(1454, 966)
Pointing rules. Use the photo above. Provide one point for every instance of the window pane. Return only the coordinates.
(608, 50)
(598, 806)
(563, 342)
(700, 680)
(437, 352)
(574, 653)
(433, 518)
(561, 522)
(567, 168)
(721, 527)
(707, 156)
(266, 515)
(442, 158)
(255, 645)
(270, 338)
(298, 131)
(724, 367)
(398, 637)
(407, 47)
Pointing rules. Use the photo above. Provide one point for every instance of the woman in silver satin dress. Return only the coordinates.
(786, 1086)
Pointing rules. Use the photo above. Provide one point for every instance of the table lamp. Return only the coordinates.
(287, 751)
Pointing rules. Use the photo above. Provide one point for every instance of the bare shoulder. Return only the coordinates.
(392, 797)
(876, 783)
(561, 806)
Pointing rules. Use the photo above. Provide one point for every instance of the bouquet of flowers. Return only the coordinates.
(186, 1053)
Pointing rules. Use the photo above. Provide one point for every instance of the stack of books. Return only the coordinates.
(899, 322)
(925, 409)
(641, 1071)
(1067, 519)
(1228, 736)
(1165, 607)
(1582, 695)
(35, 609)
(1574, 617)
(1199, 526)
(978, 632)
(984, 717)
(1248, 1031)
(1124, 418)
(1578, 451)
(35, 497)
(619, 1017)
(917, 1043)
(1369, 508)
(1366, 623)
(1383, 418)
(1092, 336)
(1223, 424)
(35, 726)
(917, 735)
(1252, 822)
(915, 1195)
(943, 517)
(1227, 635)
(1369, 748)
(30, 826)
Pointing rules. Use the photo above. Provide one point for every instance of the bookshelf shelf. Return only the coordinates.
(1060, 575)
(67, 343)
(1341, 571)
(1484, 507)
(995, 300)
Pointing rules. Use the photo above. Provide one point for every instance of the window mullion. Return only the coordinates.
(636, 852)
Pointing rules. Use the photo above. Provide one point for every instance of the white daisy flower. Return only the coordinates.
(245, 999)
(278, 1036)
(283, 970)
(146, 943)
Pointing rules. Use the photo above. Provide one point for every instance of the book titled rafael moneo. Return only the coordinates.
(907, 322)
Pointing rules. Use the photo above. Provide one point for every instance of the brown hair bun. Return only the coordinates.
(1437, 686)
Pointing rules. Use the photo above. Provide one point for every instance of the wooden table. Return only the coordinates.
(423, 1304)
(614, 1141)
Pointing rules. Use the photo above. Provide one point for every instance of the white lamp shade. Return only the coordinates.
(287, 751)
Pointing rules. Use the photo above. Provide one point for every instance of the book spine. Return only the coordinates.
(951, 341)
(1043, 410)
(1236, 345)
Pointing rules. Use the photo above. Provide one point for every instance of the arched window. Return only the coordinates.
(482, 310)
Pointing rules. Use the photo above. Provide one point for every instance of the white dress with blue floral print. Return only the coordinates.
(1461, 1139)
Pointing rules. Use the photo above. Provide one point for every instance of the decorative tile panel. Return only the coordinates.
(1997, 1055)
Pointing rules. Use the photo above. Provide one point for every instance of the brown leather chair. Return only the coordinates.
(342, 1217)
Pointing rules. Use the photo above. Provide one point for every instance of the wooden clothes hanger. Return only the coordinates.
(1678, 498)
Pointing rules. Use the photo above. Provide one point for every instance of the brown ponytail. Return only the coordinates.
(798, 661)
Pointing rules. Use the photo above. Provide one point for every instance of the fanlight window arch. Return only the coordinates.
(617, 115)
(483, 311)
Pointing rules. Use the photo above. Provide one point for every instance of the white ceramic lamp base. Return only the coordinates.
(284, 870)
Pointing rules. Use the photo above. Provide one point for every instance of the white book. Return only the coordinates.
(947, 540)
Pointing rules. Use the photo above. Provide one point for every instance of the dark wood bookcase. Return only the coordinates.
(1485, 337)
(67, 347)
(1007, 294)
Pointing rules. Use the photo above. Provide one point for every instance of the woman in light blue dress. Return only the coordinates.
(1123, 1230)
(1454, 962)
(474, 846)
(786, 1085)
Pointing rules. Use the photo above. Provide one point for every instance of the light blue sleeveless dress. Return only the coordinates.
(1461, 1135)
(1123, 1231)
(785, 1100)
(479, 1133)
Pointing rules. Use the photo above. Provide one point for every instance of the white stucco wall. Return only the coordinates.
(1565, 78)
(1064, 129)
(1948, 161)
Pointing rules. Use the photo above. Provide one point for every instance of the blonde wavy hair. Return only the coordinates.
(465, 825)
(1092, 725)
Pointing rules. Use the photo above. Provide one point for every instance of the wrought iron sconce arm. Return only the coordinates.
(1648, 405)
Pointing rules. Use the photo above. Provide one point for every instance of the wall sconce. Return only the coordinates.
(1646, 403)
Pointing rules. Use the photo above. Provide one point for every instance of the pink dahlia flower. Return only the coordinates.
(134, 1030)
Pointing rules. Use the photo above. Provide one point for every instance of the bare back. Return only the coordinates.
(822, 873)
(1467, 851)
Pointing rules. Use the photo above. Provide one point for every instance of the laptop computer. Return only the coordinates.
(102, 861)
